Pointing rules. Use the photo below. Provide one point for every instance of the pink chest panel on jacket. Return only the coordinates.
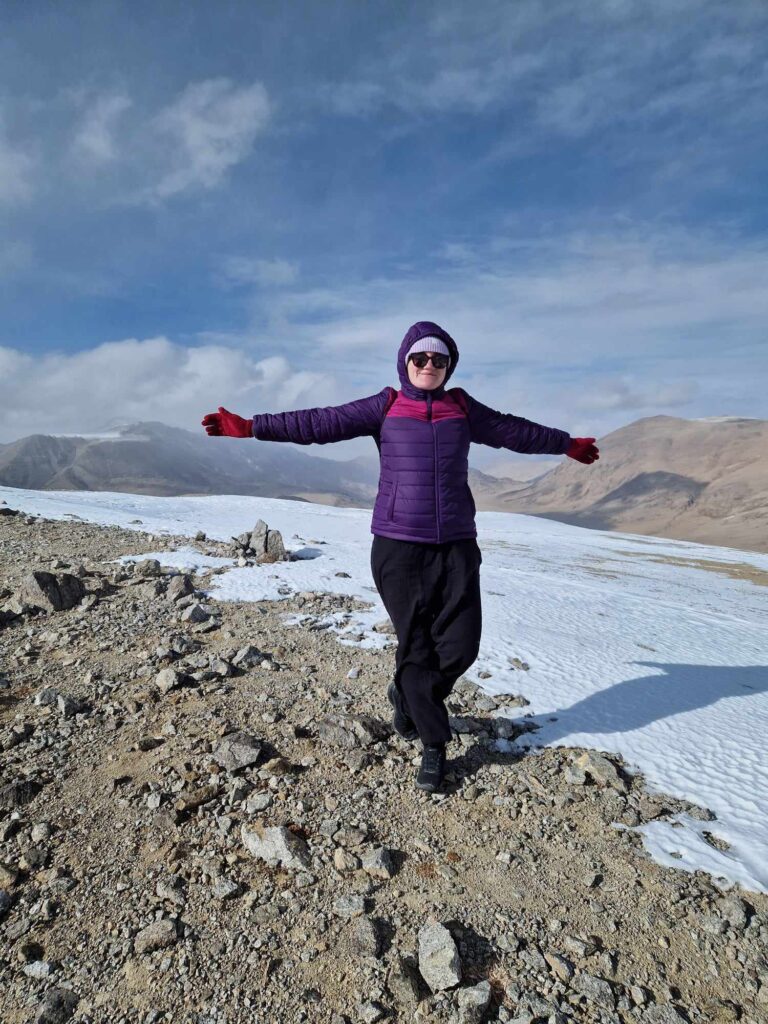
(447, 407)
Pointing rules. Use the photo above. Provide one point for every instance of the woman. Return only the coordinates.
(425, 558)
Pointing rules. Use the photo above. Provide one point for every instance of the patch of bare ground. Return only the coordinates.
(156, 866)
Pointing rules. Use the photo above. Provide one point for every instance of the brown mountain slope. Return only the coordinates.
(698, 480)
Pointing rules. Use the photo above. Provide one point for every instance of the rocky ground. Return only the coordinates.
(205, 817)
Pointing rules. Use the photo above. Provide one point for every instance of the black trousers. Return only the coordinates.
(432, 595)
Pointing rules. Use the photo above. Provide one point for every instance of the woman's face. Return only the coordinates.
(428, 378)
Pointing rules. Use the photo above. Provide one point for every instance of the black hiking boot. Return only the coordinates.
(432, 771)
(402, 722)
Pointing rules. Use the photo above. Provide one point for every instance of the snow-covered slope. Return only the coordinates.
(653, 649)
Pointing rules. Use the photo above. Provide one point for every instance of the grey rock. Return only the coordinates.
(195, 613)
(226, 888)
(601, 770)
(735, 912)
(46, 696)
(247, 657)
(439, 963)
(57, 1006)
(275, 549)
(379, 863)
(351, 730)
(662, 1015)
(349, 906)
(237, 750)
(173, 888)
(472, 1002)
(147, 567)
(51, 592)
(596, 990)
(277, 844)
(168, 679)
(68, 706)
(39, 969)
(370, 1012)
(158, 935)
(364, 937)
(6, 902)
(180, 586)
(257, 539)
(17, 793)
(403, 983)
(561, 967)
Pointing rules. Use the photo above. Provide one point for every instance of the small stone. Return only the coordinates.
(180, 586)
(195, 613)
(225, 889)
(168, 679)
(247, 657)
(439, 962)
(370, 1012)
(39, 969)
(277, 844)
(596, 990)
(343, 860)
(173, 889)
(364, 937)
(46, 696)
(6, 902)
(349, 906)
(561, 967)
(148, 568)
(237, 750)
(601, 770)
(662, 1015)
(57, 1006)
(158, 935)
(472, 1002)
(379, 863)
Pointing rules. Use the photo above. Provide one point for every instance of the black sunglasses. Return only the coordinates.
(420, 359)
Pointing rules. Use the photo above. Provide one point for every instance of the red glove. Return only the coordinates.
(583, 450)
(227, 424)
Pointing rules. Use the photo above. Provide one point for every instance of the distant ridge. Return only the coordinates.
(153, 458)
(702, 480)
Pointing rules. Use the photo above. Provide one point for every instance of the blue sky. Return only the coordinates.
(247, 205)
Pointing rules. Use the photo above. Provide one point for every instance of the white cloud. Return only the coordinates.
(206, 130)
(96, 137)
(150, 379)
(586, 331)
(16, 170)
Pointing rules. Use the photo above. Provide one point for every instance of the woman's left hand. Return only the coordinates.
(583, 449)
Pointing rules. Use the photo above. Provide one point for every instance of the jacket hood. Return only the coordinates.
(424, 329)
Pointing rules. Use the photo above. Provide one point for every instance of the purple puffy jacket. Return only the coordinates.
(423, 439)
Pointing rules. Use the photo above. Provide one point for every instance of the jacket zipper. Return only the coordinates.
(434, 441)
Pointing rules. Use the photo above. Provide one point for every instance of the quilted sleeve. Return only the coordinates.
(323, 424)
(503, 430)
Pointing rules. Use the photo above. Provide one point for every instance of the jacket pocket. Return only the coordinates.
(391, 506)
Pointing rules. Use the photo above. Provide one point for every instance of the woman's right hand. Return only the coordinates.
(227, 424)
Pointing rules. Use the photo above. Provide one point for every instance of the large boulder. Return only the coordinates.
(53, 593)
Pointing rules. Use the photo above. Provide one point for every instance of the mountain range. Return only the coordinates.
(700, 480)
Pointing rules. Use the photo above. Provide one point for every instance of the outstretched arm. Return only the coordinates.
(321, 425)
(503, 430)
